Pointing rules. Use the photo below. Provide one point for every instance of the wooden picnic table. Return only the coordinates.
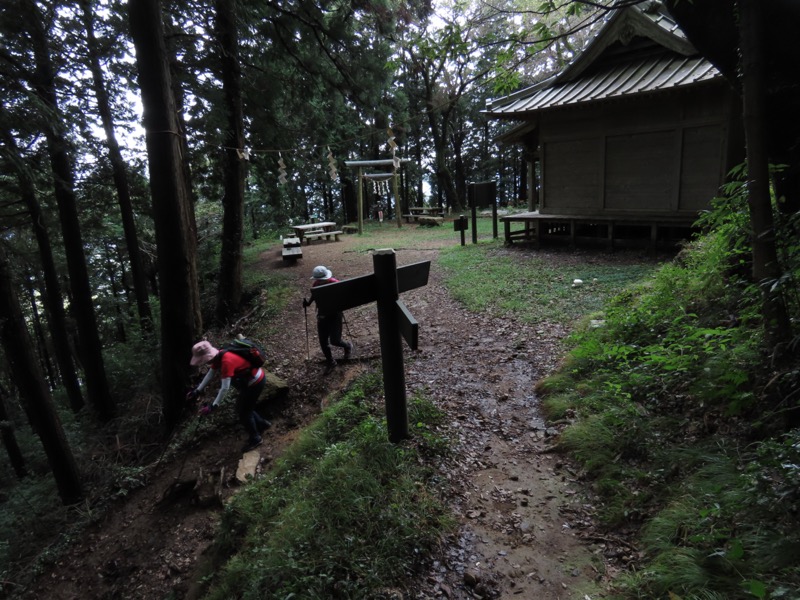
(415, 212)
(425, 210)
(301, 230)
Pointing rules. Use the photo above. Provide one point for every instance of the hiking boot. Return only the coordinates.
(348, 351)
(329, 365)
(251, 445)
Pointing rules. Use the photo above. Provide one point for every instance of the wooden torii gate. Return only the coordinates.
(394, 320)
(360, 166)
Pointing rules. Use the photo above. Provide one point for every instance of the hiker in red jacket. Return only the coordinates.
(237, 371)
(329, 327)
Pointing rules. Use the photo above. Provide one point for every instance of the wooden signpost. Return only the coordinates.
(482, 194)
(461, 224)
(395, 322)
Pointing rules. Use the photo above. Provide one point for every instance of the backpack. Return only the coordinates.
(249, 350)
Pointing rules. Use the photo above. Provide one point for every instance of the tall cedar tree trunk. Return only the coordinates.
(119, 170)
(439, 128)
(53, 301)
(38, 331)
(460, 169)
(90, 346)
(766, 268)
(15, 456)
(229, 294)
(27, 376)
(176, 244)
(171, 33)
(418, 160)
(116, 293)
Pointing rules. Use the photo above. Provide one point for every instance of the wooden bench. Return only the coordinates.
(292, 249)
(292, 253)
(321, 234)
(350, 228)
(429, 221)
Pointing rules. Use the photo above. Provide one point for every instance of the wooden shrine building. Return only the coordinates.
(630, 141)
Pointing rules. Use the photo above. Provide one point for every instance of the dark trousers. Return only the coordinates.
(329, 329)
(252, 422)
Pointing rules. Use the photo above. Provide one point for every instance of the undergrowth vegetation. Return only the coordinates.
(344, 513)
(686, 428)
(113, 459)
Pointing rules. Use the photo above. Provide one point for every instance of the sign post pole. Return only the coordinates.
(473, 204)
(460, 224)
(394, 380)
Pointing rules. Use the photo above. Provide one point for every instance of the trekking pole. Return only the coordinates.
(192, 433)
(170, 440)
(347, 326)
(305, 310)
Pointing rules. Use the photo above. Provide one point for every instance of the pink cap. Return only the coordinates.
(202, 352)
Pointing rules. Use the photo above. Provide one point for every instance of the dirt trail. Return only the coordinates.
(521, 507)
(522, 511)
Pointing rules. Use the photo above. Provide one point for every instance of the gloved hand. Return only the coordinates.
(306, 303)
(192, 395)
(206, 409)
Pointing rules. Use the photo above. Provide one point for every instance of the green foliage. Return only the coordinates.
(32, 513)
(716, 534)
(130, 365)
(667, 398)
(676, 335)
(343, 513)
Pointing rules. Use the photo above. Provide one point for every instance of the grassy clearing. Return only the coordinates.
(529, 286)
(526, 285)
(344, 513)
(411, 235)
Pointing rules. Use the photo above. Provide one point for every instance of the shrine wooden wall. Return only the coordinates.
(664, 155)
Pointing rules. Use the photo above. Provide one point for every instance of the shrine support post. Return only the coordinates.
(394, 381)
(473, 205)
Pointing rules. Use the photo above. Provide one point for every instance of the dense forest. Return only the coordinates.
(145, 143)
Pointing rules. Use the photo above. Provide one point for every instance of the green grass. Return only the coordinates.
(525, 285)
(411, 235)
(529, 286)
(344, 513)
(716, 538)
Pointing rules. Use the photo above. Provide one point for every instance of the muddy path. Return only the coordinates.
(525, 521)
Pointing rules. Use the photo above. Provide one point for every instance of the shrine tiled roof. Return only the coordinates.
(638, 50)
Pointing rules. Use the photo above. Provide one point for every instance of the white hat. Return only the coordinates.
(321, 272)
